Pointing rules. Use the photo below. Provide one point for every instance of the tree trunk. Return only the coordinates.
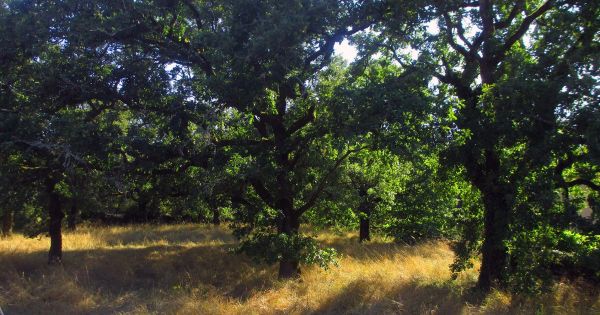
(289, 267)
(142, 213)
(494, 252)
(216, 219)
(365, 219)
(55, 224)
(365, 234)
(7, 223)
(496, 225)
(72, 217)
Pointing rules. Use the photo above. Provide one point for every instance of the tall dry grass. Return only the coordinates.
(187, 269)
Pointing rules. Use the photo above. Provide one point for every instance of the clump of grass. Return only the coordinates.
(188, 269)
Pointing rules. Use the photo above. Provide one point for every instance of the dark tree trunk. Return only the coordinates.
(365, 222)
(216, 219)
(365, 234)
(494, 252)
(55, 224)
(142, 215)
(496, 225)
(289, 267)
(7, 223)
(72, 217)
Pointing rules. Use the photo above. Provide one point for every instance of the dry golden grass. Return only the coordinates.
(187, 269)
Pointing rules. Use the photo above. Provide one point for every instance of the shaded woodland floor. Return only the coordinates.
(188, 269)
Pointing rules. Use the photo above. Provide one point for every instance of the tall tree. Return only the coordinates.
(55, 94)
(518, 71)
(254, 62)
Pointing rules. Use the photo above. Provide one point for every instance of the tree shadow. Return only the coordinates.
(376, 250)
(143, 234)
(118, 279)
(119, 274)
(407, 298)
(578, 297)
(365, 296)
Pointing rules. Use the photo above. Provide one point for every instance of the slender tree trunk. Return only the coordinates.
(216, 219)
(7, 223)
(142, 211)
(289, 267)
(72, 217)
(365, 222)
(55, 224)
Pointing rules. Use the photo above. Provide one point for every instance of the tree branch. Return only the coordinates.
(321, 186)
(196, 12)
(511, 16)
(487, 18)
(584, 182)
(526, 23)
(262, 191)
(468, 54)
(303, 121)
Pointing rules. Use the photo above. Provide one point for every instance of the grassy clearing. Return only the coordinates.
(187, 269)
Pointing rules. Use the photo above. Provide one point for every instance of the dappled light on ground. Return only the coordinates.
(189, 269)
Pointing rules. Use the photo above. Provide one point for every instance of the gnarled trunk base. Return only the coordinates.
(289, 269)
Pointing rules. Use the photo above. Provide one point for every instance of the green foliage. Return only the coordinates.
(541, 254)
(272, 248)
(425, 205)
(468, 218)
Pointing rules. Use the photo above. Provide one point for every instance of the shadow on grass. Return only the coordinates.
(107, 276)
(142, 234)
(446, 298)
(406, 298)
(378, 249)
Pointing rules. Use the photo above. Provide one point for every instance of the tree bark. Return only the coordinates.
(7, 223)
(72, 217)
(55, 223)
